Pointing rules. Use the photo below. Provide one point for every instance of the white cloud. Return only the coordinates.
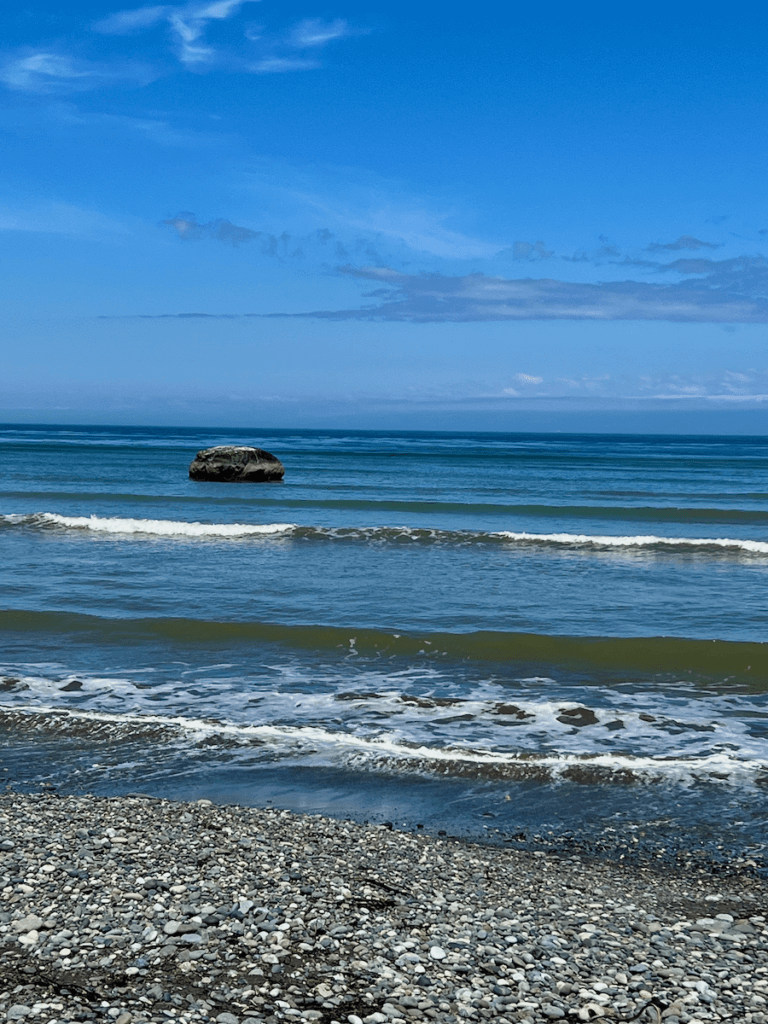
(42, 72)
(280, 65)
(316, 32)
(124, 22)
(49, 72)
(187, 33)
(187, 23)
(289, 54)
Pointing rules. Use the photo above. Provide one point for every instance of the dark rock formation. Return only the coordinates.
(231, 463)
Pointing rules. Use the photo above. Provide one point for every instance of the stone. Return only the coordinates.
(238, 464)
(240, 935)
(577, 716)
(18, 1010)
(29, 923)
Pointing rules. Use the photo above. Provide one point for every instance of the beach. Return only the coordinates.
(441, 727)
(134, 909)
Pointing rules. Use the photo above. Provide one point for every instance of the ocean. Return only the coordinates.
(521, 638)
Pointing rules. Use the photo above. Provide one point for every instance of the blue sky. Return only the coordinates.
(271, 213)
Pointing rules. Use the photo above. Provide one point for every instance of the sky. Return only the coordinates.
(252, 212)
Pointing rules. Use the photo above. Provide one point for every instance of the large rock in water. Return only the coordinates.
(227, 462)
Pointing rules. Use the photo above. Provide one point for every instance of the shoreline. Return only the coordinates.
(135, 909)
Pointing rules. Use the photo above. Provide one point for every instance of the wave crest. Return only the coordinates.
(152, 527)
(380, 534)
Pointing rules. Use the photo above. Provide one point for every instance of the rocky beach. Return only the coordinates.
(134, 909)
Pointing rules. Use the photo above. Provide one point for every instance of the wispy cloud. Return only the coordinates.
(320, 245)
(297, 51)
(281, 65)
(294, 50)
(354, 202)
(316, 32)
(187, 24)
(723, 297)
(731, 291)
(187, 227)
(48, 71)
(57, 219)
(527, 251)
(155, 129)
(282, 246)
(123, 23)
(683, 242)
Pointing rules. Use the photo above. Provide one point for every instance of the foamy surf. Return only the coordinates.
(382, 534)
(606, 541)
(419, 708)
(155, 527)
(320, 746)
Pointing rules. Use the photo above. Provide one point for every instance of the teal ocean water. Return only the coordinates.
(504, 635)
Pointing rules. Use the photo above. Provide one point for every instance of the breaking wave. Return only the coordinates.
(152, 527)
(757, 547)
(316, 745)
(379, 534)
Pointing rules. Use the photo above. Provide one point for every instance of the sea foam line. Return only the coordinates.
(720, 767)
(163, 527)
(175, 528)
(608, 541)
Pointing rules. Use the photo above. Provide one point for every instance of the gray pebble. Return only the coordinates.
(327, 920)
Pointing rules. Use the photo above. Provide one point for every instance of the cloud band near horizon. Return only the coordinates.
(724, 292)
(729, 291)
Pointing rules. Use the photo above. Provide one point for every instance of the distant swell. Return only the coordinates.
(379, 534)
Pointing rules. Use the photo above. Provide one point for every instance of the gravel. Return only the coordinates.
(133, 909)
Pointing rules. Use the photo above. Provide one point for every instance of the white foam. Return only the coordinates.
(174, 528)
(324, 746)
(163, 527)
(598, 541)
(400, 704)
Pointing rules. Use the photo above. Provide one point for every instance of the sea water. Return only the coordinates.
(497, 635)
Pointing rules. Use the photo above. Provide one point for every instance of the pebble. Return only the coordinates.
(157, 910)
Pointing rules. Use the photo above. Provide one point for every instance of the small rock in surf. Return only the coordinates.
(231, 463)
